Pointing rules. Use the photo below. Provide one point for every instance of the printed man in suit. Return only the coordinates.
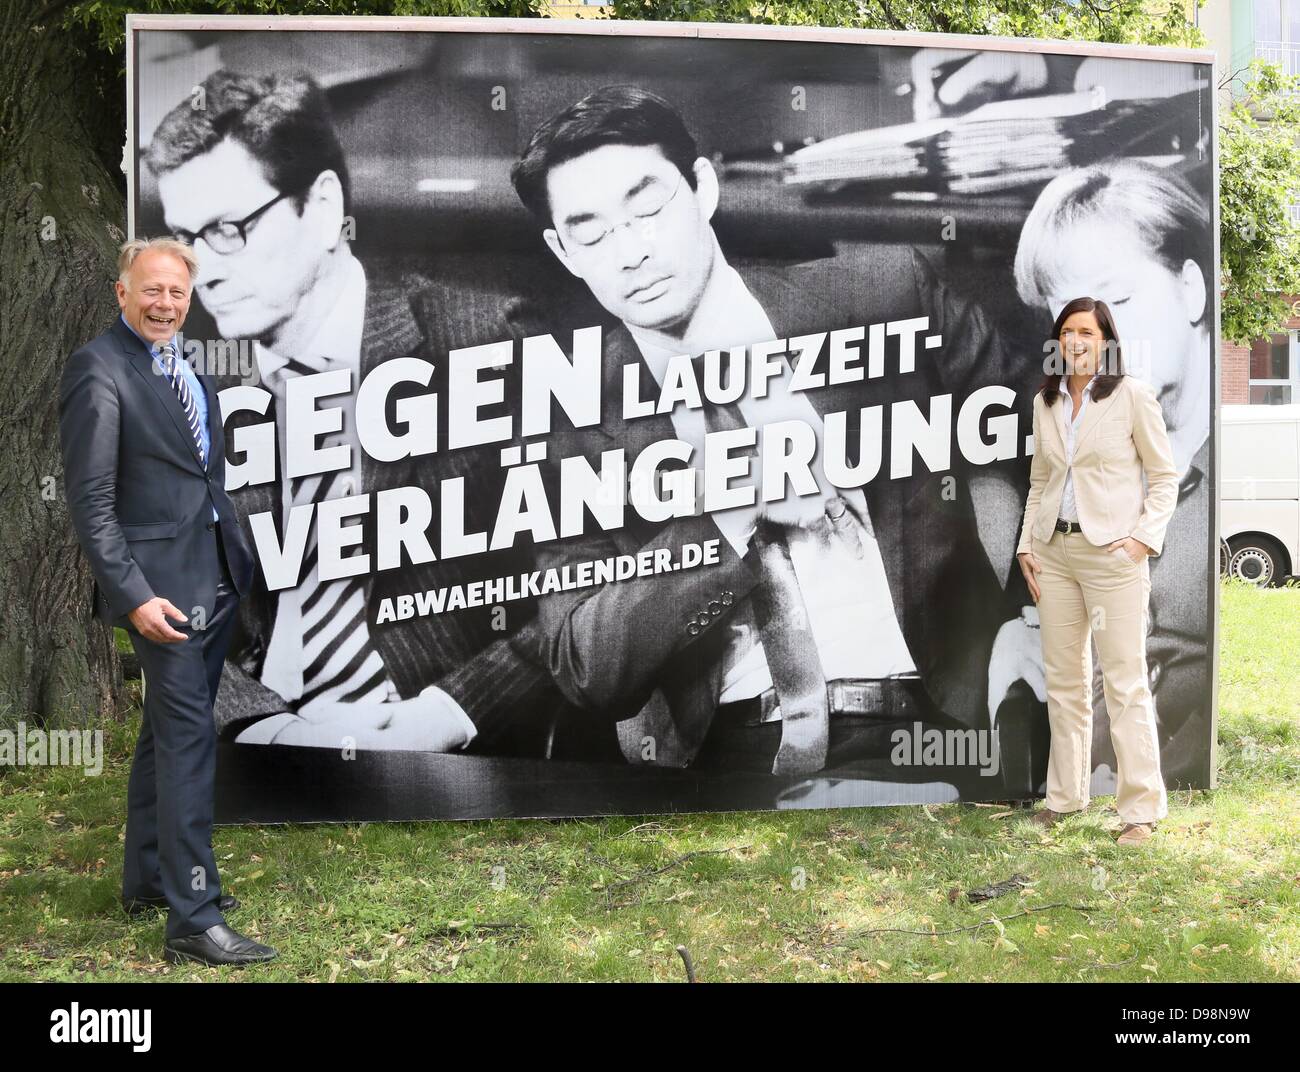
(833, 617)
(256, 181)
(145, 473)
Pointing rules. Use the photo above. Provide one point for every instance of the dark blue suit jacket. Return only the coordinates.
(140, 497)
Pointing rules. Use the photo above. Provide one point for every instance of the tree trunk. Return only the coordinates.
(61, 219)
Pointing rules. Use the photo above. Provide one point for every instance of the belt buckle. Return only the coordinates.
(844, 696)
(1062, 526)
(848, 697)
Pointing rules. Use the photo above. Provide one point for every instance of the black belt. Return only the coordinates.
(885, 698)
(1067, 526)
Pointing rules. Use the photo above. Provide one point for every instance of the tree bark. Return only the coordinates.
(61, 219)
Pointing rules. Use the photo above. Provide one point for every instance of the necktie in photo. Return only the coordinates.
(788, 642)
(324, 622)
(169, 361)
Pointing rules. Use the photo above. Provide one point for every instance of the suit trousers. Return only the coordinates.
(168, 851)
(1087, 593)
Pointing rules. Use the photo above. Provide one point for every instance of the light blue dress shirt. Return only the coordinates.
(1069, 509)
(196, 389)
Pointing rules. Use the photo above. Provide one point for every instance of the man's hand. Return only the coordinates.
(1126, 81)
(738, 523)
(1029, 567)
(150, 621)
(425, 723)
(796, 511)
(1017, 656)
(985, 77)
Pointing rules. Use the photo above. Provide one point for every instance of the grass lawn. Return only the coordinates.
(795, 895)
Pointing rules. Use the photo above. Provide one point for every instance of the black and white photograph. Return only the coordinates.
(643, 422)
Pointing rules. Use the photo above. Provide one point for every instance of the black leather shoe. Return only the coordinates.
(143, 906)
(217, 945)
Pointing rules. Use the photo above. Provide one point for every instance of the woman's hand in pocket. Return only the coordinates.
(1030, 568)
(1135, 549)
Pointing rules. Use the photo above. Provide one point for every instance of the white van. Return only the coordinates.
(1259, 493)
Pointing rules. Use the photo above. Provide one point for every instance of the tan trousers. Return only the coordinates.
(1088, 592)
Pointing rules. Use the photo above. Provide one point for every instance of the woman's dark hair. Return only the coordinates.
(1110, 368)
(612, 115)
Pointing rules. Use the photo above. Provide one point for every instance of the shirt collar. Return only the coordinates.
(337, 341)
(727, 315)
(1087, 387)
(147, 345)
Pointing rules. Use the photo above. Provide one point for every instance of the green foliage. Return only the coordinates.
(107, 18)
(1259, 178)
(1130, 21)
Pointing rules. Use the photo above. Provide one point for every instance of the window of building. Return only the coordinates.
(1275, 369)
(1277, 33)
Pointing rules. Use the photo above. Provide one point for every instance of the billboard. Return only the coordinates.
(636, 417)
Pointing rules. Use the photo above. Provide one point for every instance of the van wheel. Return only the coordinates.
(1256, 560)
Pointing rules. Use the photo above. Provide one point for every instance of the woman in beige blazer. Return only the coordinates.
(1088, 528)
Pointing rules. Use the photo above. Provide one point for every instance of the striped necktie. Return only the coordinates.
(788, 642)
(165, 354)
(324, 622)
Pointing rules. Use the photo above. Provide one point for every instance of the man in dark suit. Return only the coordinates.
(833, 617)
(145, 475)
(258, 183)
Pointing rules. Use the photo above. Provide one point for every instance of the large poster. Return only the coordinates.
(634, 419)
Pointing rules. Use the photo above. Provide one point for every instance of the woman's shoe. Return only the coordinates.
(1135, 833)
(1046, 818)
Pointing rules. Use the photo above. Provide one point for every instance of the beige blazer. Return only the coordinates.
(1117, 440)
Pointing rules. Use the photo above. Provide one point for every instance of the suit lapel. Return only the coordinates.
(215, 437)
(634, 436)
(389, 329)
(1092, 413)
(775, 290)
(1060, 423)
(141, 360)
(1088, 422)
(769, 287)
(780, 295)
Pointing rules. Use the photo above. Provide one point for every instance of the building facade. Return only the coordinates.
(1267, 372)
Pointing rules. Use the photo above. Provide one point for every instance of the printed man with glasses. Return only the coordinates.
(834, 617)
(257, 183)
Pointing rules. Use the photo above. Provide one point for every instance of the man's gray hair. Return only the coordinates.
(131, 250)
